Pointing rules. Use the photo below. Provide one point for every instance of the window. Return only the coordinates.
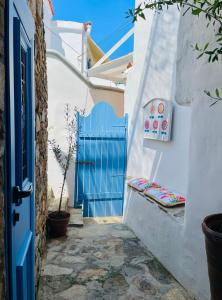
(24, 113)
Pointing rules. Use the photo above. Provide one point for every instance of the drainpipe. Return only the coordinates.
(86, 32)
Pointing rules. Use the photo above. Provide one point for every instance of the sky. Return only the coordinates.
(108, 17)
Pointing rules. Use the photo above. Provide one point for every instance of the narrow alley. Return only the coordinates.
(105, 260)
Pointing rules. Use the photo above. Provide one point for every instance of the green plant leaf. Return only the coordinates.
(142, 16)
(199, 56)
(206, 46)
(196, 11)
(207, 93)
(197, 47)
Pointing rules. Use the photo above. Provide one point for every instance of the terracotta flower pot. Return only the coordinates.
(57, 223)
(212, 228)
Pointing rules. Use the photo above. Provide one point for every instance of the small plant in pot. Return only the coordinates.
(58, 220)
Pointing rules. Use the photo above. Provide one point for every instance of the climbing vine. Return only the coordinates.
(211, 9)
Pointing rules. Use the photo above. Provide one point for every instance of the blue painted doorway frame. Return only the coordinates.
(20, 151)
(101, 162)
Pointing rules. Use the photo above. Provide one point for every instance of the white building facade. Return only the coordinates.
(69, 48)
(191, 162)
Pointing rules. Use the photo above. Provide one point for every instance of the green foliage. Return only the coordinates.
(215, 97)
(211, 9)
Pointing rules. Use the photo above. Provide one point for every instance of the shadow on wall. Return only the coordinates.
(56, 40)
(69, 184)
(70, 180)
(67, 85)
(158, 73)
(115, 99)
(129, 197)
(62, 41)
(165, 162)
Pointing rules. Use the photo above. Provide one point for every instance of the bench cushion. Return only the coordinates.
(165, 197)
(141, 184)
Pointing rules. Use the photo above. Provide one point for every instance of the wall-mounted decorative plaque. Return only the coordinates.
(158, 119)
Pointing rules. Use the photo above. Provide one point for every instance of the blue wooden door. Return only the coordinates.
(20, 157)
(101, 162)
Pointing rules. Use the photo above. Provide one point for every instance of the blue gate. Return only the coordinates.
(101, 162)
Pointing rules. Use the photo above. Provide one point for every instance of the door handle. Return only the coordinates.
(19, 194)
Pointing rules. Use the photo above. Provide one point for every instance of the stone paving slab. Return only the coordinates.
(105, 262)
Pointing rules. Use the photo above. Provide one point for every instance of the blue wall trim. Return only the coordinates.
(26, 17)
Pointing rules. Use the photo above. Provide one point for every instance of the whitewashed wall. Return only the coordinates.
(191, 163)
(65, 86)
(66, 38)
(205, 167)
(47, 18)
(153, 76)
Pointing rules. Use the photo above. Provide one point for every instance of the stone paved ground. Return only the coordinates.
(104, 262)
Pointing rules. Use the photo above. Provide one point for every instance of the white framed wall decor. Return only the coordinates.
(158, 119)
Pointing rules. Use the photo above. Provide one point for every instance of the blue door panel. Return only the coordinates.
(101, 207)
(80, 169)
(20, 158)
(23, 268)
(109, 204)
(101, 162)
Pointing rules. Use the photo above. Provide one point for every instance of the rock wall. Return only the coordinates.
(2, 146)
(41, 100)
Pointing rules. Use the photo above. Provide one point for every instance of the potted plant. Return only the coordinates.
(58, 220)
(212, 228)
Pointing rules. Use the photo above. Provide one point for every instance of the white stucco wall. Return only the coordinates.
(191, 163)
(47, 18)
(205, 168)
(64, 86)
(66, 38)
(153, 76)
(162, 233)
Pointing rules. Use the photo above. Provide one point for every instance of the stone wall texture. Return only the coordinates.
(41, 98)
(2, 147)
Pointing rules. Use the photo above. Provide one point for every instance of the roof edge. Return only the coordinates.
(51, 7)
(54, 53)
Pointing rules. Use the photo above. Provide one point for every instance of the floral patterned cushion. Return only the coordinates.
(141, 184)
(165, 197)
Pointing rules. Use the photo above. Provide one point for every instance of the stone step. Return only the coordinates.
(76, 217)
